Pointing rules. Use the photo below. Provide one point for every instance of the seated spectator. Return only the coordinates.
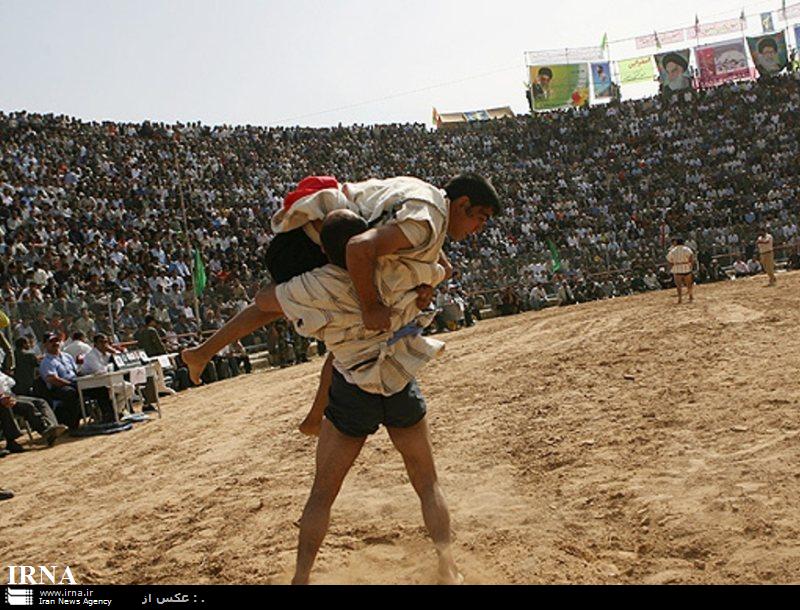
(665, 278)
(237, 358)
(638, 284)
(149, 338)
(27, 363)
(565, 295)
(60, 373)
(509, 302)
(754, 267)
(8, 354)
(537, 297)
(740, 268)
(651, 281)
(35, 411)
(715, 272)
(97, 361)
(77, 346)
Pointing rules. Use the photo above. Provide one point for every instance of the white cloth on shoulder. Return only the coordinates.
(324, 304)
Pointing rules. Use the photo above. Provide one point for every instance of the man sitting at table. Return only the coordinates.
(96, 362)
(60, 373)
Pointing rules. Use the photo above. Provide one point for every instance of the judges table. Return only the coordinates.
(109, 380)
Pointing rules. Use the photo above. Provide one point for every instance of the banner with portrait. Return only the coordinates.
(722, 62)
(673, 70)
(601, 80)
(797, 36)
(559, 86)
(767, 24)
(769, 53)
(636, 69)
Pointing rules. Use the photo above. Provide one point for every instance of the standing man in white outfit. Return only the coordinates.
(766, 252)
(681, 258)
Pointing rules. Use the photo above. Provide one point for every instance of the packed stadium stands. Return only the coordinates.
(91, 229)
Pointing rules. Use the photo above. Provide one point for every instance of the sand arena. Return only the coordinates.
(622, 441)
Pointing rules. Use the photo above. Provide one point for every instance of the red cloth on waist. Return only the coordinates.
(309, 186)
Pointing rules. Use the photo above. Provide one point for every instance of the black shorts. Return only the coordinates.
(357, 413)
(292, 254)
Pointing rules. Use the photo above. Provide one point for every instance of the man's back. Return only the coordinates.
(150, 341)
(25, 371)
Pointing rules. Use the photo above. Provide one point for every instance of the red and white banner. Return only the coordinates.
(791, 12)
(717, 28)
(669, 37)
(722, 62)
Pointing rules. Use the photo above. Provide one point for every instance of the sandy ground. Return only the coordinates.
(626, 441)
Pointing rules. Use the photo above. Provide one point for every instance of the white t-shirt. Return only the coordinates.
(77, 348)
(765, 244)
(95, 362)
(681, 258)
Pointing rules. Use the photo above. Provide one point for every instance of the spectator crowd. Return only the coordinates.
(93, 239)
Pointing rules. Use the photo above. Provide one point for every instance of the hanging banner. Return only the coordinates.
(669, 37)
(769, 53)
(791, 12)
(797, 35)
(564, 56)
(559, 86)
(636, 70)
(601, 80)
(673, 70)
(722, 62)
(766, 23)
(717, 28)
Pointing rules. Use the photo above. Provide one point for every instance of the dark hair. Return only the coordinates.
(545, 72)
(20, 342)
(99, 337)
(77, 335)
(149, 318)
(675, 58)
(767, 42)
(479, 190)
(337, 229)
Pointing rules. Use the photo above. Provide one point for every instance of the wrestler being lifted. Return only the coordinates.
(408, 221)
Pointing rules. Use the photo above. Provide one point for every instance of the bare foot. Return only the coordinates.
(195, 363)
(310, 427)
(448, 573)
(451, 578)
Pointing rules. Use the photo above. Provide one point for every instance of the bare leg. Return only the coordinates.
(679, 286)
(414, 444)
(311, 424)
(242, 324)
(336, 453)
(690, 287)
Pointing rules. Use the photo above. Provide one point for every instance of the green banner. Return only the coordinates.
(559, 86)
(198, 274)
(555, 255)
(636, 70)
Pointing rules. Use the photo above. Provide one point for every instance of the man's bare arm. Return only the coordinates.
(362, 256)
(448, 268)
(267, 302)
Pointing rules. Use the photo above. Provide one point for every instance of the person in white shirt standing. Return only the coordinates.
(766, 252)
(681, 258)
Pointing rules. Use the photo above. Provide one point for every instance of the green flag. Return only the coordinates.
(198, 273)
(555, 256)
(604, 43)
